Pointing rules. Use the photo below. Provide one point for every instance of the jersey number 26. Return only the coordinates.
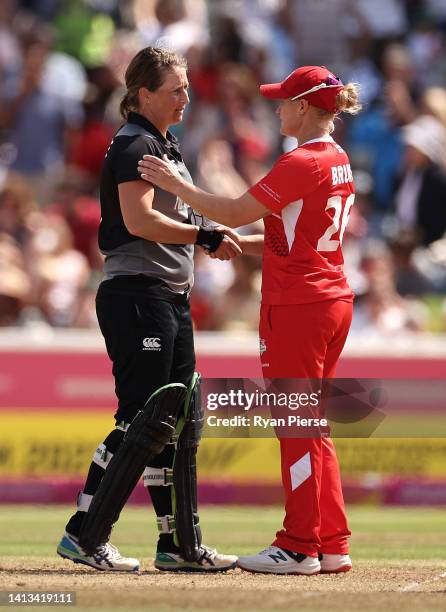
(325, 242)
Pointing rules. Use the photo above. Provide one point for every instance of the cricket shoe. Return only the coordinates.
(105, 557)
(274, 560)
(335, 564)
(209, 561)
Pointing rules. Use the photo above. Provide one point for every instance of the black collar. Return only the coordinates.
(148, 125)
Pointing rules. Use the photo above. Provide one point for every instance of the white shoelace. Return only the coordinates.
(212, 552)
(109, 552)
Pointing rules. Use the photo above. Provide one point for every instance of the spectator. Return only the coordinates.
(380, 310)
(96, 133)
(61, 273)
(15, 284)
(254, 32)
(228, 41)
(245, 121)
(433, 103)
(171, 27)
(431, 262)
(235, 115)
(216, 169)
(385, 20)
(10, 54)
(375, 136)
(83, 214)
(326, 23)
(409, 280)
(38, 120)
(16, 206)
(240, 309)
(420, 198)
(427, 48)
(212, 280)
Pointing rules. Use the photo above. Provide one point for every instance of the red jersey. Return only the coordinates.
(310, 192)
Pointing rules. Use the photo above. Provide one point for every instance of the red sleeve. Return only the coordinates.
(292, 177)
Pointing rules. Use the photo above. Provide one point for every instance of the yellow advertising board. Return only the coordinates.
(54, 444)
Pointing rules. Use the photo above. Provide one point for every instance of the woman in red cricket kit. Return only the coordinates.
(306, 310)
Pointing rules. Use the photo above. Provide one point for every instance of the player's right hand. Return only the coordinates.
(227, 249)
(228, 231)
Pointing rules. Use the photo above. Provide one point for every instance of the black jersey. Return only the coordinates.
(126, 254)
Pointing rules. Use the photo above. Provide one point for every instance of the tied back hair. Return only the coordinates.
(147, 69)
(347, 100)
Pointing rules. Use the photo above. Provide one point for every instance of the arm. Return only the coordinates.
(252, 245)
(228, 211)
(136, 197)
(231, 212)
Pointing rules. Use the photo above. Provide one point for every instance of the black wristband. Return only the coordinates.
(209, 239)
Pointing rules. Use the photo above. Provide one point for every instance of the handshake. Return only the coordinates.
(220, 242)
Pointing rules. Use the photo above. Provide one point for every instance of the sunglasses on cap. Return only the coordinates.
(330, 81)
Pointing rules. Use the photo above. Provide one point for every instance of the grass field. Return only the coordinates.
(399, 563)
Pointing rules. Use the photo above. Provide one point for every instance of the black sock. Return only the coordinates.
(162, 498)
(94, 477)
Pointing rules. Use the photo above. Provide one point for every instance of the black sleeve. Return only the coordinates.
(127, 154)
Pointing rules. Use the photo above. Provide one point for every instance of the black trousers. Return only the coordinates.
(149, 339)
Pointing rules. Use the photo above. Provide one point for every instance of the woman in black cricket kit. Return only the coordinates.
(147, 238)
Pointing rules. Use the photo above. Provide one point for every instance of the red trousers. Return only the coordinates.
(305, 341)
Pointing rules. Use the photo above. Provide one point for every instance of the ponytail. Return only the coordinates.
(347, 100)
(125, 106)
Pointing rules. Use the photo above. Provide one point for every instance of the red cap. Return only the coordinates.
(315, 84)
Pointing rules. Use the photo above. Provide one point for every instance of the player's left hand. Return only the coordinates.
(160, 172)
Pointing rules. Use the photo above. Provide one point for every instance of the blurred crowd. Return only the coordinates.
(61, 80)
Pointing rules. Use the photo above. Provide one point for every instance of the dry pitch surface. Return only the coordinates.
(391, 570)
(367, 587)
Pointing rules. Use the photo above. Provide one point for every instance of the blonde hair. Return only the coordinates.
(347, 100)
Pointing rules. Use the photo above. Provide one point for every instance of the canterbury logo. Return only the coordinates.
(151, 344)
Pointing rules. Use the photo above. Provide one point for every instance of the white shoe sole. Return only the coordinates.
(96, 567)
(65, 549)
(278, 573)
(338, 570)
(196, 570)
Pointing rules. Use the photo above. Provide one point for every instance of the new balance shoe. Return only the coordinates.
(106, 557)
(210, 561)
(335, 564)
(274, 560)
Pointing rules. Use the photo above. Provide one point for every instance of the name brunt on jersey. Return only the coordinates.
(309, 193)
(341, 174)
